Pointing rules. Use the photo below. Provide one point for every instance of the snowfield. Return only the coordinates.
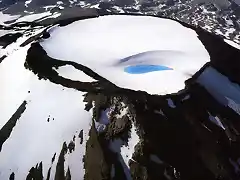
(53, 115)
(109, 44)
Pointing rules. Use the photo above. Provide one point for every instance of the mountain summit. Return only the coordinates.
(91, 94)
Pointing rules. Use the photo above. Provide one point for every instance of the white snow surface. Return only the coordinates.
(4, 32)
(232, 43)
(27, 2)
(108, 44)
(221, 88)
(14, 78)
(7, 17)
(72, 73)
(123, 112)
(15, 82)
(33, 17)
(125, 151)
(171, 103)
(103, 120)
(28, 18)
(34, 139)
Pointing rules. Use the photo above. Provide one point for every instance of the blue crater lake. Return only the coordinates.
(141, 69)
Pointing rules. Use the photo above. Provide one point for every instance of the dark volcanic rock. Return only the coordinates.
(9, 39)
(94, 160)
(60, 174)
(35, 173)
(12, 176)
(6, 130)
(2, 58)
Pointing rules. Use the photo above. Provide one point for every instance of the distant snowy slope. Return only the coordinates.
(7, 17)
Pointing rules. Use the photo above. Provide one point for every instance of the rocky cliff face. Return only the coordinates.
(119, 132)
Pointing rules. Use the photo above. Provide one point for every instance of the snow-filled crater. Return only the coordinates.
(145, 53)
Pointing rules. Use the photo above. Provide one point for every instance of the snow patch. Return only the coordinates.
(103, 120)
(233, 44)
(59, 3)
(123, 112)
(234, 105)
(27, 2)
(4, 32)
(171, 103)
(33, 17)
(75, 159)
(186, 97)
(216, 121)
(72, 73)
(221, 88)
(125, 151)
(7, 17)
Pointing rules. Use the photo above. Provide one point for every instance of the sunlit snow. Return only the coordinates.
(72, 73)
(27, 2)
(221, 88)
(103, 44)
(7, 17)
(33, 17)
(232, 43)
(53, 114)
